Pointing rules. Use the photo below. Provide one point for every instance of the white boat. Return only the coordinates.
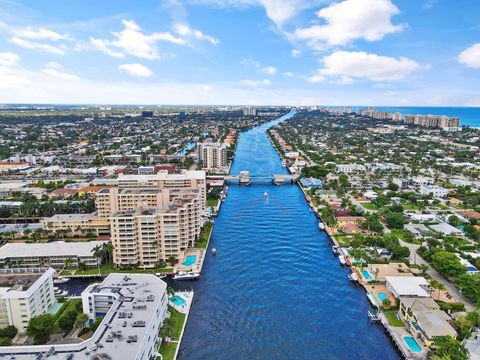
(342, 259)
(265, 195)
(336, 249)
(321, 226)
(59, 292)
(186, 275)
(353, 276)
(284, 164)
(161, 275)
(61, 280)
(214, 251)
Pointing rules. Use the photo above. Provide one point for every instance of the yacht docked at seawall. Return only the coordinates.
(186, 275)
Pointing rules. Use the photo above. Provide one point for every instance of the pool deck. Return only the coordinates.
(397, 334)
(185, 295)
(197, 267)
(188, 297)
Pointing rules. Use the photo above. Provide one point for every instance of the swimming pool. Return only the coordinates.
(190, 260)
(177, 300)
(366, 275)
(412, 344)
(382, 296)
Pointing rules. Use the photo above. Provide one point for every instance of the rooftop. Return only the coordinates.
(408, 286)
(139, 295)
(56, 248)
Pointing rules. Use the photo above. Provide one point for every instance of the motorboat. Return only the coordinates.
(265, 195)
(214, 251)
(284, 164)
(336, 249)
(321, 226)
(353, 276)
(59, 292)
(186, 275)
(61, 280)
(342, 259)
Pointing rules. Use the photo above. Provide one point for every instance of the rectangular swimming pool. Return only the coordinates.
(190, 260)
(366, 275)
(412, 344)
(177, 300)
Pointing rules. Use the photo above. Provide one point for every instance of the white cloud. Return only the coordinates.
(350, 65)
(137, 70)
(316, 78)
(350, 20)
(279, 11)
(131, 40)
(8, 59)
(257, 83)
(29, 37)
(185, 31)
(269, 70)
(56, 70)
(470, 56)
(296, 53)
(39, 34)
(59, 50)
(288, 74)
(102, 45)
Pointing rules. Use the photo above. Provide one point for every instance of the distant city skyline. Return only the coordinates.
(245, 52)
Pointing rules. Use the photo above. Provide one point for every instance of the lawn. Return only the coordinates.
(168, 350)
(392, 319)
(212, 202)
(107, 269)
(207, 229)
(368, 205)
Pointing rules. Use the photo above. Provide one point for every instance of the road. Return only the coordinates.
(451, 288)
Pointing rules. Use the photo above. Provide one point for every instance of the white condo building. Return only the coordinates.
(133, 307)
(23, 296)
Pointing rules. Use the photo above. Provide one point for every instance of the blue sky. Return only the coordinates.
(291, 52)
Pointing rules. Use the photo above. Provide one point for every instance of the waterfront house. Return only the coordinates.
(412, 287)
(381, 271)
(425, 319)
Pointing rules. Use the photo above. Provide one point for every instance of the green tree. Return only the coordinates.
(67, 320)
(394, 220)
(373, 223)
(447, 264)
(80, 321)
(454, 221)
(172, 260)
(40, 327)
(168, 328)
(463, 326)
(447, 348)
(470, 286)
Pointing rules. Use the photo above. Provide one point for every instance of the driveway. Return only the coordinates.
(451, 288)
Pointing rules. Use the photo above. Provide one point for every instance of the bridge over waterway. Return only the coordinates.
(244, 178)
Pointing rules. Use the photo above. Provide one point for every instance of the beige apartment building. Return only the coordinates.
(77, 224)
(212, 155)
(146, 236)
(113, 199)
(164, 180)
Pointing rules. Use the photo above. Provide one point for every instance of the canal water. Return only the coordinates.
(275, 290)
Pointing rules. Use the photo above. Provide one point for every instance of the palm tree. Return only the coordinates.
(107, 251)
(97, 252)
(68, 263)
